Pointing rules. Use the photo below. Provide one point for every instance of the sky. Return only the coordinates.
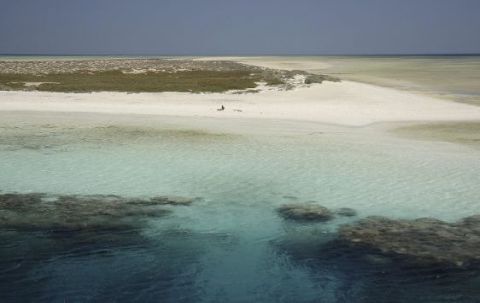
(239, 27)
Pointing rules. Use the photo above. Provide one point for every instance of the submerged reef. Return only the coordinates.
(89, 240)
(61, 213)
(173, 200)
(312, 212)
(371, 257)
(423, 241)
(305, 212)
(364, 275)
(58, 137)
(379, 259)
(94, 266)
(466, 132)
(346, 212)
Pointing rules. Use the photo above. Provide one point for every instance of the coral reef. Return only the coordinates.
(346, 212)
(43, 212)
(305, 212)
(423, 241)
(312, 212)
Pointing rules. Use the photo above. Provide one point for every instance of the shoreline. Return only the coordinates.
(343, 103)
(384, 72)
(329, 106)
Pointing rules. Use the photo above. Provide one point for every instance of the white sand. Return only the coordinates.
(287, 63)
(345, 103)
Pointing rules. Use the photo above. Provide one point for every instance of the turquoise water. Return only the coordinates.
(230, 246)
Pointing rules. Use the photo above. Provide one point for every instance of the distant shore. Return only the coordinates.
(147, 75)
(452, 78)
(343, 103)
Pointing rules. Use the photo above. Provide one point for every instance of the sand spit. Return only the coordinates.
(342, 103)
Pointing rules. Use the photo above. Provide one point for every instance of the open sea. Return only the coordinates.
(230, 244)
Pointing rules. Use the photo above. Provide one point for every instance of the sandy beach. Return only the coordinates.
(344, 103)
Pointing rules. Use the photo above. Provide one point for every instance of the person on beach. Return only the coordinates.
(221, 108)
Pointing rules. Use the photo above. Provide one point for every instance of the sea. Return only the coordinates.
(231, 244)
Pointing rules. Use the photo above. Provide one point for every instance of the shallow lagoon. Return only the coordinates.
(452, 77)
(231, 245)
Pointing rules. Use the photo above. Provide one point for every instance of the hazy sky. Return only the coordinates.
(239, 26)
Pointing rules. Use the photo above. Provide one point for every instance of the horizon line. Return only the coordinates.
(238, 55)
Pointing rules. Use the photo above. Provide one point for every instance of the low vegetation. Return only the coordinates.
(143, 76)
(115, 80)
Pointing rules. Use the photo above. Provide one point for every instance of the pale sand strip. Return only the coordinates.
(344, 103)
(286, 63)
